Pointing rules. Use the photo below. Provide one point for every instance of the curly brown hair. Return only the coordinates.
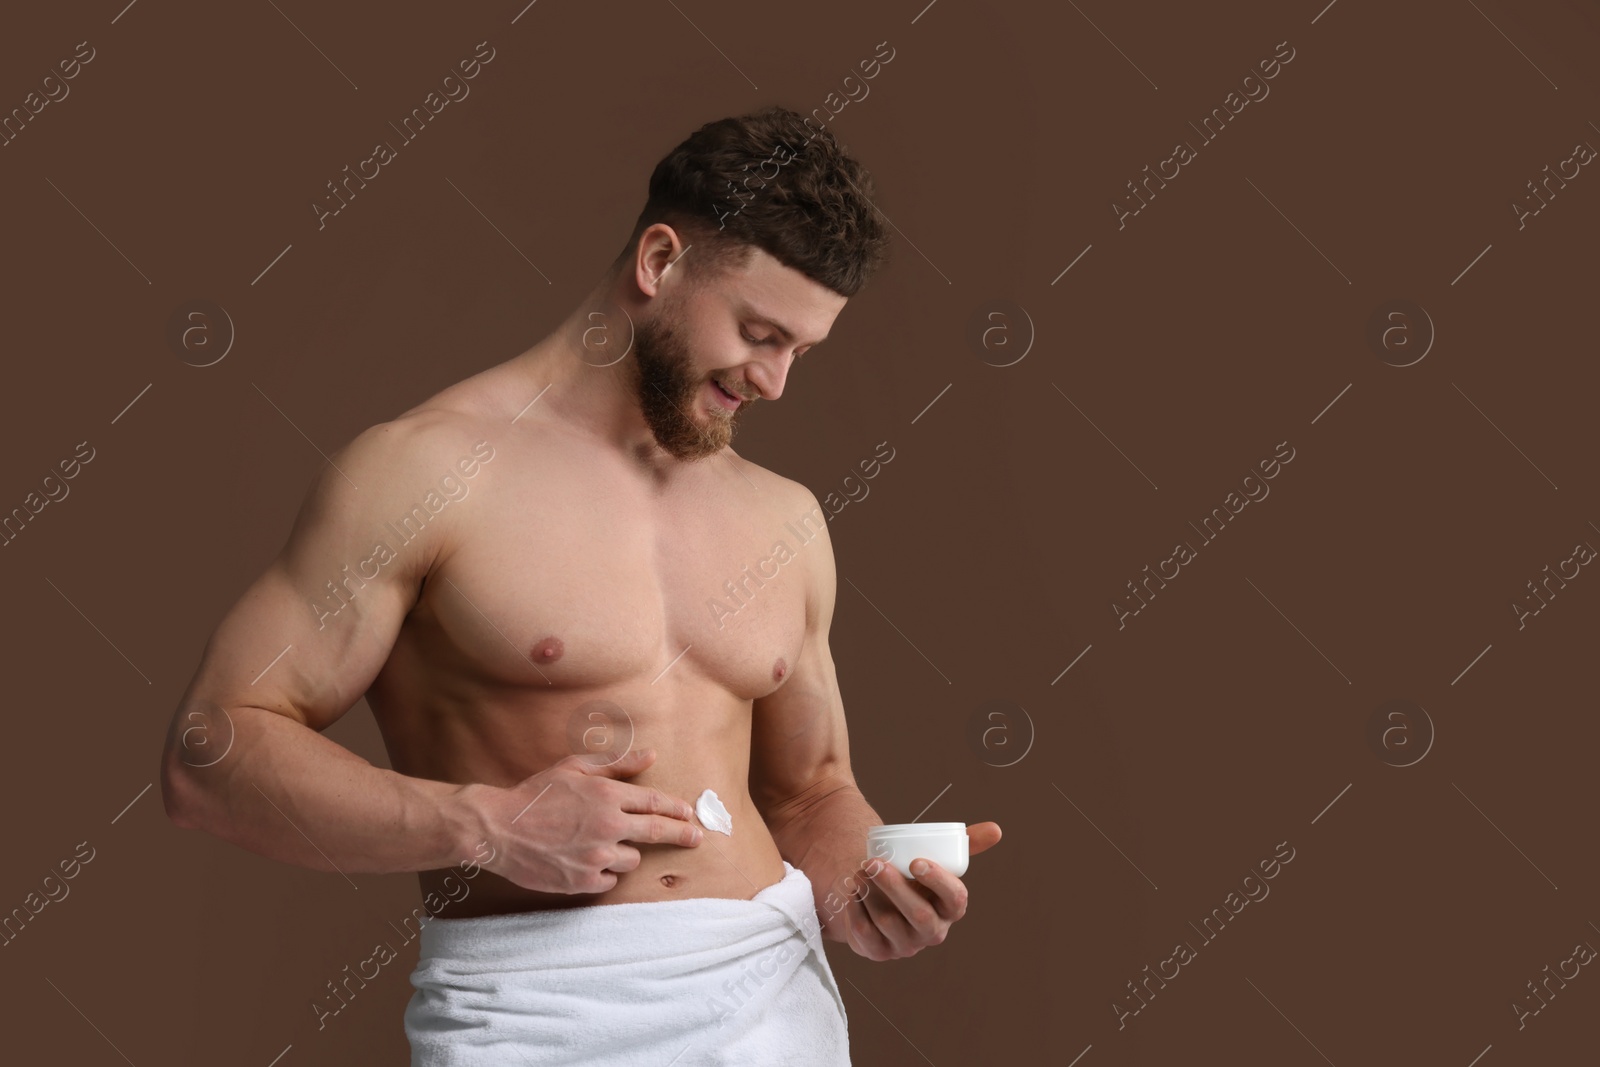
(768, 180)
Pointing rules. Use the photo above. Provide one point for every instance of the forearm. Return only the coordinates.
(286, 792)
(828, 840)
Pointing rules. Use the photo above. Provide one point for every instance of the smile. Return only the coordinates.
(727, 399)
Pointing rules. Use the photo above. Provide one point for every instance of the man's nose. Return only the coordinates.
(769, 375)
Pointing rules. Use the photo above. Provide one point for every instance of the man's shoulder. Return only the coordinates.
(402, 475)
(460, 415)
(789, 499)
(413, 443)
(794, 514)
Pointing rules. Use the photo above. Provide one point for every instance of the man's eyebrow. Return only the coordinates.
(788, 335)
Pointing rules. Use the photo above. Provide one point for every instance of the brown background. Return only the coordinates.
(1176, 753)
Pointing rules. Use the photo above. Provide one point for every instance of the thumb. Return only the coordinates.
(625, 766)
(981, 836)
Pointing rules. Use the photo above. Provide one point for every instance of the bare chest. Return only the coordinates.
(581, 576)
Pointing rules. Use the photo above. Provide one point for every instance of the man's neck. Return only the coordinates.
(582, 384)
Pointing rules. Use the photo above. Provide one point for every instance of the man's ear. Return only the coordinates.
(659, 249)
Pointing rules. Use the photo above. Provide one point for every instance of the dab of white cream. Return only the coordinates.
(713, 816)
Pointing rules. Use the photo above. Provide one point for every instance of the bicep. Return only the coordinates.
(309, 635)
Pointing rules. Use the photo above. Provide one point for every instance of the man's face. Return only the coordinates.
(723, 332)
(671, 388)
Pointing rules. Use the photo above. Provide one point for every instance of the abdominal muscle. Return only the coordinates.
(701, 736)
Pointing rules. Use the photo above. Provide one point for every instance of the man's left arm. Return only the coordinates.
(801, 781)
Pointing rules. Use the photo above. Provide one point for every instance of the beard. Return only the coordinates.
(670, 393)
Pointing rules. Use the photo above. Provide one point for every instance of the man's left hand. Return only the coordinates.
(899, 916)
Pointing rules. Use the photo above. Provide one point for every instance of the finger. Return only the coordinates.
(640, 800)
(624, 766)
(911, 899)
(628, 858)
(603, 882)
(865, 937)
(906, 894)
(891, 922)
(660, 830)
(949, 894)
(981, 836)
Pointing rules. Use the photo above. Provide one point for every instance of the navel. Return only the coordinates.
(548, 651)
(779, 669)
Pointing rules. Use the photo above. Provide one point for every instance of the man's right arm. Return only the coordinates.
(244, 757)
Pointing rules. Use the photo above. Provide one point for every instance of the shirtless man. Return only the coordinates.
(518, 573)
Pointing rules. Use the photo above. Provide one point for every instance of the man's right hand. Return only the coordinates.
(562, 830)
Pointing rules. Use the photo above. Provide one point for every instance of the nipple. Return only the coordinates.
(779, 669)
(548, 651)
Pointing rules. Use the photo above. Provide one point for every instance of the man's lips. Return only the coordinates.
(732, 399)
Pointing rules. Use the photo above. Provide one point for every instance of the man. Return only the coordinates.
(599, 661)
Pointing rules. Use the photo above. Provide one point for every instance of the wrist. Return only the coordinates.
(833, 900)
(464, 817)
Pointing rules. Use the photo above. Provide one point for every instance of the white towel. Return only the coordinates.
(688, 982)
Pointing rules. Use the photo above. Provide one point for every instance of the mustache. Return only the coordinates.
(732, 391)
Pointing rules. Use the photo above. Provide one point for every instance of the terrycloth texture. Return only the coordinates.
(682, 982)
